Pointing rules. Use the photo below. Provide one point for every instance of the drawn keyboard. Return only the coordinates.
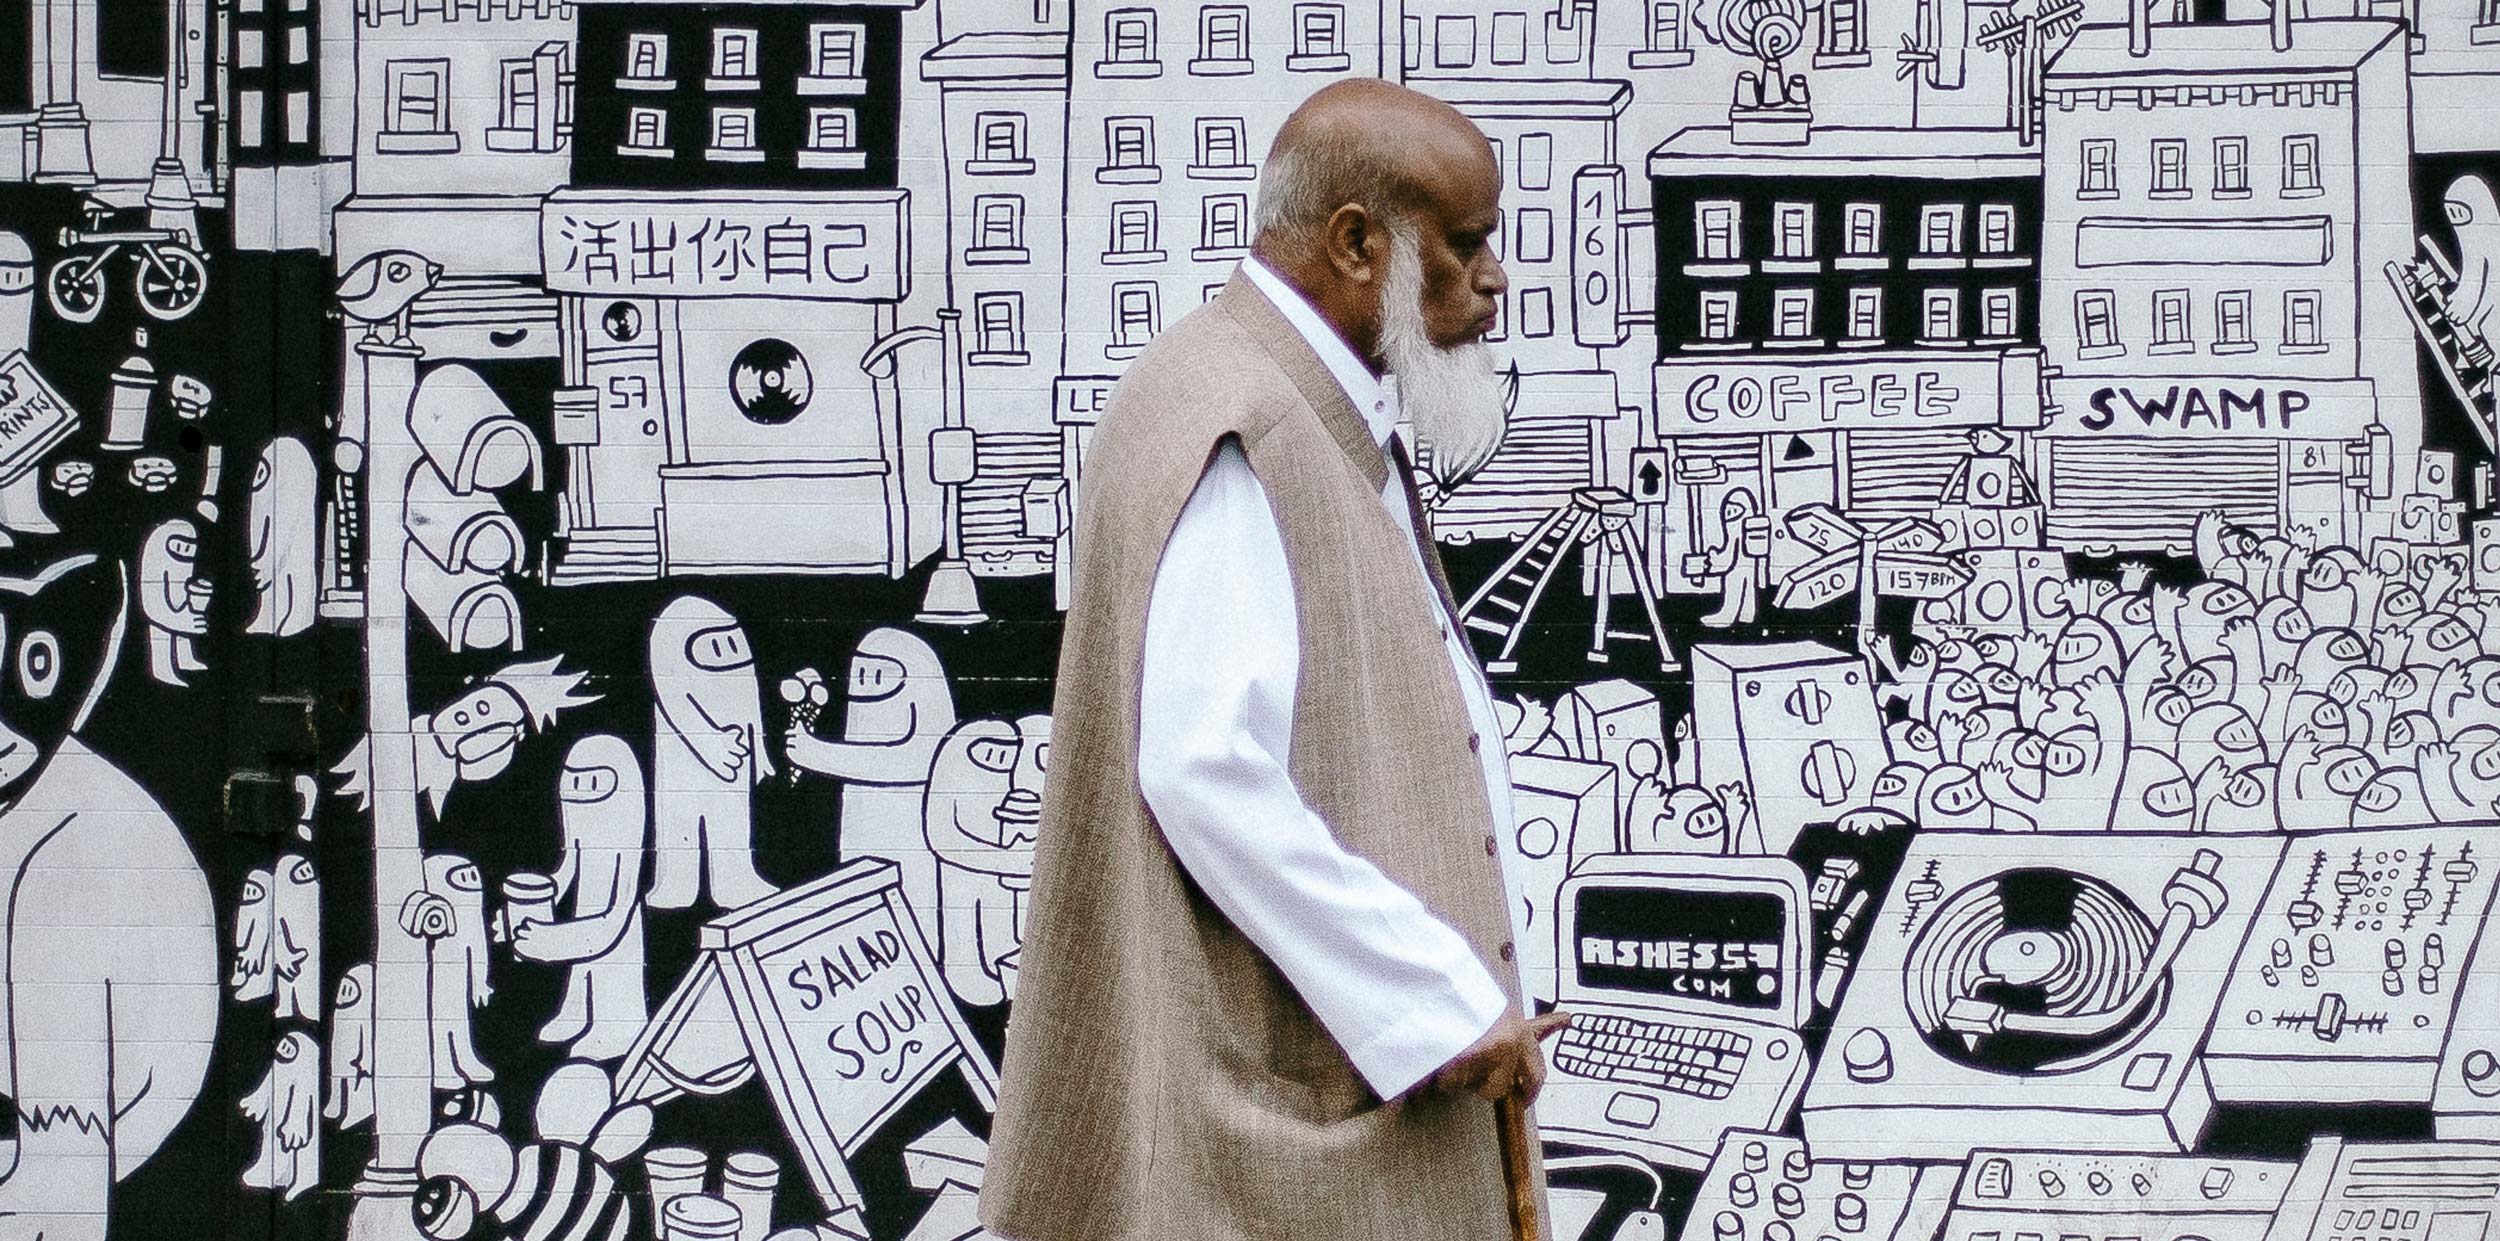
(1693, 1060)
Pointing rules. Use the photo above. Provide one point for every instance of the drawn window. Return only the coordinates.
(2300, 319)
(1792, 314)
(1996, 229)
(251, 123)
(2300, 164)
(646, 131)
(2231, 166)
(1133, 314)
(1222, 142)
(2170, 319)
(2099, 168)
(516, 107)
(1001, 137)
(733, 54)
(1536, 161)
(833, 49)
(1866, 227)
(1940, 229)
(417, 92)
(999, 222)
(1536, 235)
(832, 129)
(1844, 29)
(2096, 320)
(1941, 314)
(1866, 314)
(1510, 47)
(2231, 327)
(1714, 231)
(1133, 228)
(646, 56)
(1997, 314)
(1453, 41)
(1223, 36)
(1718, 314)
(1536, 312)
(1792, 230)
(1129, 42)
(997, 327)
(1411, 42)
(1223, 222)
(733, 130)
(1318, 32)
(1130, 140)
(1666, 26)
(2170, 167)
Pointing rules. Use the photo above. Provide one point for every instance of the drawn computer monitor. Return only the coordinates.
(1690, 976)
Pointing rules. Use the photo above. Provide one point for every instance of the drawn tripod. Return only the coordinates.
(1599, 518)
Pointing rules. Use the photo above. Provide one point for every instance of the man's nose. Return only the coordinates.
(1492, 282)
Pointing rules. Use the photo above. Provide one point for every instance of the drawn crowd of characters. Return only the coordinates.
(596, 353)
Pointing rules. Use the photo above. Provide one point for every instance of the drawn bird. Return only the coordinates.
(286, 1103)
(350, 1100)
(380, 287)
(255, 920)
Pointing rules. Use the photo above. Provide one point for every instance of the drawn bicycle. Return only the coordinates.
(170, 276)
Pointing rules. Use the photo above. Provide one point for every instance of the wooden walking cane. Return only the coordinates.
(1518, 1160)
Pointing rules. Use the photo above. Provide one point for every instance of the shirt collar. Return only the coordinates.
(1375, 397)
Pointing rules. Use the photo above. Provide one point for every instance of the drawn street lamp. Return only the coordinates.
(953, 596)
(170, 204)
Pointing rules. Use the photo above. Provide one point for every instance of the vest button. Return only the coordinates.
(1475, 741)
(1491, 847)
(1508, 952)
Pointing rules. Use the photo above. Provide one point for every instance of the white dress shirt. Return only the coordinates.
(1396, 986)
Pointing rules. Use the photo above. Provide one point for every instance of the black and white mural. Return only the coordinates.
(533, 534)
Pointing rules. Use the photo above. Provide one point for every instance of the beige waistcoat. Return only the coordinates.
(1162, 1080)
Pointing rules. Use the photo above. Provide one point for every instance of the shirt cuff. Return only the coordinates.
(1394, 1060)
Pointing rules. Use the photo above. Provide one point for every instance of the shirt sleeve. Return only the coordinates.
(1397, 987)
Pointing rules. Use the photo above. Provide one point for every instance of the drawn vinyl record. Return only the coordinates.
(2050, 945)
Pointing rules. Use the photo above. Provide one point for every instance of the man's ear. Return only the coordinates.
(1356, 244)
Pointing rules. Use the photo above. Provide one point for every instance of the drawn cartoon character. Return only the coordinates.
(286, 490)
(473, 736)
(899, 710)
(450, 915)
(104, 1038)
(255, 922)
(295, 942)
(708, 720)
(2476, 219)
(475, 1185)
(350, 1099)
(601, 806)
(287, 1103)
(1739, 561)
(984, 806)
(173, 596)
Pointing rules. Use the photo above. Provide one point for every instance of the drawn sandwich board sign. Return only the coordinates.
(829, 993)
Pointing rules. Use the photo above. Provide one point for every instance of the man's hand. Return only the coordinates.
(1505, 1061)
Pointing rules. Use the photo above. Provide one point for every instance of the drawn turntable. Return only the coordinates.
(2036, 1006)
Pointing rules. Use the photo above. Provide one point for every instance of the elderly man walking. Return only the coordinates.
(1270, 971)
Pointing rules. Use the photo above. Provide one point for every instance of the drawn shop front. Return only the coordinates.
(1876, 435)
(2130, 462)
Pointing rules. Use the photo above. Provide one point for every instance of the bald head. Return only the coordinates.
(1369, 143)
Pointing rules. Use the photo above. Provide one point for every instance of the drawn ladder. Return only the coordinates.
(2425, 303)
(1598, 517)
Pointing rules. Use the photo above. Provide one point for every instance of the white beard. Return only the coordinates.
(1454, 396)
